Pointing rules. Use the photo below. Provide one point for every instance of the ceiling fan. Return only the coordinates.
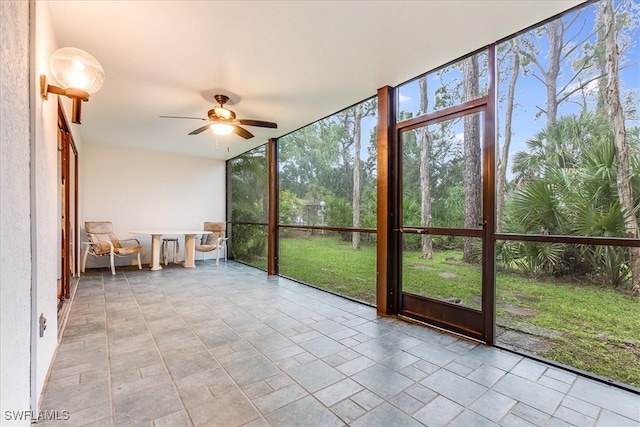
(224, 121)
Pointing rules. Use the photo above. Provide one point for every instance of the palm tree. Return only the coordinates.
(567, 185)
(558, 146)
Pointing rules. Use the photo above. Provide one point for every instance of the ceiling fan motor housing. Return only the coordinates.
(222, 99)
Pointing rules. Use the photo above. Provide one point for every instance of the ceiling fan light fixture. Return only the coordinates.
(221, 128)
(222, 112)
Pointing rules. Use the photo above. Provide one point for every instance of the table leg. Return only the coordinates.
(155, 252)
(189, 251)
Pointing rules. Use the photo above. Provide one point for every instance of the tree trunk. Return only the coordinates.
(472, 171)
(424, 141)
(602, 68)
(355, 237)
(614, 108)
(554, 35)
(501, 183)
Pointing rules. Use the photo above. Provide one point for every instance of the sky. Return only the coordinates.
(530, 92)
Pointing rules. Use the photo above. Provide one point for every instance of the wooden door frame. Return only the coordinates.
(69, 247)
(456, 318)
(485, 319)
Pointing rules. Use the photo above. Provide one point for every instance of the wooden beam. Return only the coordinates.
(489, 204)
(272, 215)
(386, 295)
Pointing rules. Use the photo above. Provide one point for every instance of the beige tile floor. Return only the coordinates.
(229, 346)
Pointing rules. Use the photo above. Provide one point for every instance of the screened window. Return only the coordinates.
(453, 84)
(249, 206)
(558, 178)
(556, 166)
(327, 181)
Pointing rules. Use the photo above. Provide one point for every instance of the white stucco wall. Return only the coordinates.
(15, 244)
(147, 190)
(29, 210)
(45, 205)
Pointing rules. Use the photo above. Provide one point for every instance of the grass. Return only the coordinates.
(331, 264)
(443, 277)
(595, 329)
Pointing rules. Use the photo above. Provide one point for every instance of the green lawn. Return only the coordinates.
(332, 264)
(595, 329)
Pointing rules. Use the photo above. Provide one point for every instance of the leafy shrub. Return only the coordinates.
(340, 214)
(248, 243)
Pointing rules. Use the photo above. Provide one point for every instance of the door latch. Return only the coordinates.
(43, 324)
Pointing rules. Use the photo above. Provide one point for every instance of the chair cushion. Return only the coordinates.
(210, 239)
(100, 243)
(100, 233)
(128, 250)
(214, 226)
(99, 227)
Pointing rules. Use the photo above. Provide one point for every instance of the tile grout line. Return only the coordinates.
(155, 344)
(348, 376)
(215, 358)
(200, 292)
(387, 400)
(309, 393)
(108, 352)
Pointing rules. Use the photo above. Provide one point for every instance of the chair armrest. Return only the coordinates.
(90, 245)
(130, 240)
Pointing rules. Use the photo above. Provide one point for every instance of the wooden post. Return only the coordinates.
(272, 219)
(386, 292)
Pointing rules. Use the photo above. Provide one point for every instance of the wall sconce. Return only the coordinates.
(80, 75)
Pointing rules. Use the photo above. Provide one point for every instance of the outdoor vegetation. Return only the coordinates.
(567, 164)
(248, 187)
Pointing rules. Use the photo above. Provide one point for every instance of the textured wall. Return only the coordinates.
(15, 244)
(45, 214)
(29, 215)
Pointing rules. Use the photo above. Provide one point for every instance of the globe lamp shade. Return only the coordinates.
(221, 128)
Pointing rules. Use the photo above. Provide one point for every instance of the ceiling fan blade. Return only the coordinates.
(242, 132)
(180, 117)
(259, 123)
(200, 130)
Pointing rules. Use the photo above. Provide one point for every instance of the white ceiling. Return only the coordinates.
(291, 62)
